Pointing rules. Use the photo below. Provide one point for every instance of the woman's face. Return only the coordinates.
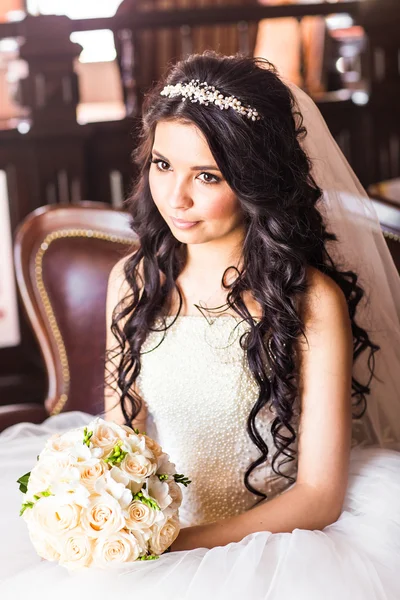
(186, 184)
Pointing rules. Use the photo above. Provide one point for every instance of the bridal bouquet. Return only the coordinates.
(101, 496)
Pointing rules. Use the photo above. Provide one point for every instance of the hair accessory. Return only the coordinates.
(204, 94)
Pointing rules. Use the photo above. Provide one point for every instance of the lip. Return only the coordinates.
(183, 224)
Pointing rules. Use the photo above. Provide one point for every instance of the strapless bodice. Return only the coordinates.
(199, 391)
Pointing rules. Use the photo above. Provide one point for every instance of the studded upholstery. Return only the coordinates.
(63, 257)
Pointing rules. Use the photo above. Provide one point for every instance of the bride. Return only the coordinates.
(254, 332)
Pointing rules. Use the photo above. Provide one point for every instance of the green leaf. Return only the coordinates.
(23, 482)
(148, 557)
(25, 506)
(117, 455)
(86, 436)
(179, 478)
(148, 501)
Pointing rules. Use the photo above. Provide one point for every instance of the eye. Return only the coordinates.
(210, 178)
(158, 162)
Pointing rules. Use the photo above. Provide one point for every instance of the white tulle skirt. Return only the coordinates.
(355, 558)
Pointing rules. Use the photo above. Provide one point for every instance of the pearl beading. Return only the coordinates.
(206, 94)
(199, 391)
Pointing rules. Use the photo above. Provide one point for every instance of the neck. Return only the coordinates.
(206, 263)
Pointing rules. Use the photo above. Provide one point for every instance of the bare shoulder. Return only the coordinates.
(118, 286)
(323, 299)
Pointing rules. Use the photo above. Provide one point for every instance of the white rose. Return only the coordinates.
(139, 515)
(45, 545)
(91, 472)
(69, 443)
(52, 517)
(71, 492)
(103, 516)
(159, 490)
(52, 468)
(118, 548)
(164, 536)
(59, 443)
(76, 550)
(137, 467)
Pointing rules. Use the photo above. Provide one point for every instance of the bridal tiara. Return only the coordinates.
(204, 94)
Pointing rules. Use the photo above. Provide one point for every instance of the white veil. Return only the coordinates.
(350, 214)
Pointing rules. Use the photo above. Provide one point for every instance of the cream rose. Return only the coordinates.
(164, 536)
(103, 516)
(90, 473)
(52, 517)
(139, 515)
(164, 465)
(176, 494)
(106, 435)
(153, 446)
(76, 550)
(113, 550)
(137, 467)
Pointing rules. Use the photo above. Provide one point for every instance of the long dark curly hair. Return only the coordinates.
(265, 165)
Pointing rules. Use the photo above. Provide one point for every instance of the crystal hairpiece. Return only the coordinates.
(204, 94)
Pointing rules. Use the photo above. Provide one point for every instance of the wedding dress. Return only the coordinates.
(199, 391)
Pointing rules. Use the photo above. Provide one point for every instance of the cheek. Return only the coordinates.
(222, 208)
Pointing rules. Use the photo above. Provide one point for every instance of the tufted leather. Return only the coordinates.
(63, 257)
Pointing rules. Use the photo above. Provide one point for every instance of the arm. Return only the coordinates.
(117, 289)
(325, 369)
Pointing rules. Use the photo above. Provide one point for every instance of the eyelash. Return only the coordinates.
(159, 160)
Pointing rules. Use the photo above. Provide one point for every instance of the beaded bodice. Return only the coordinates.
(199, 392)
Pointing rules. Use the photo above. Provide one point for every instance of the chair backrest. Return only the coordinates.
(63, 256)
(389, 218)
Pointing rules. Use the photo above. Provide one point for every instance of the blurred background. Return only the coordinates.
(72, 78)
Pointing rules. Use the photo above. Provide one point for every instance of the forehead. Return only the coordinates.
(183, 142)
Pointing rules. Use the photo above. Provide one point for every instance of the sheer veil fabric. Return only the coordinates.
(350, 214)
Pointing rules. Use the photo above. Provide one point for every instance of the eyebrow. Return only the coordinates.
(196, 168)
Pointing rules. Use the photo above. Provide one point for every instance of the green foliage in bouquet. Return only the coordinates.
(23, 482)
(149, 501)
(117, 454)
(179, 478)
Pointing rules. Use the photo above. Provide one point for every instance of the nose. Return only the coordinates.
(180, 196)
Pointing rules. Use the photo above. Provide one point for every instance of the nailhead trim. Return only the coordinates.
(44, 246)
(392, 236)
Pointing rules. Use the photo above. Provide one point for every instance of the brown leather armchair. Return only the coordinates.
(63, 256)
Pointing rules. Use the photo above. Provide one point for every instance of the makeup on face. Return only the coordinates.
(184, 224)
(188, 187)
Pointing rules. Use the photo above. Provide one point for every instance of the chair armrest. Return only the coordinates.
(10, 414)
